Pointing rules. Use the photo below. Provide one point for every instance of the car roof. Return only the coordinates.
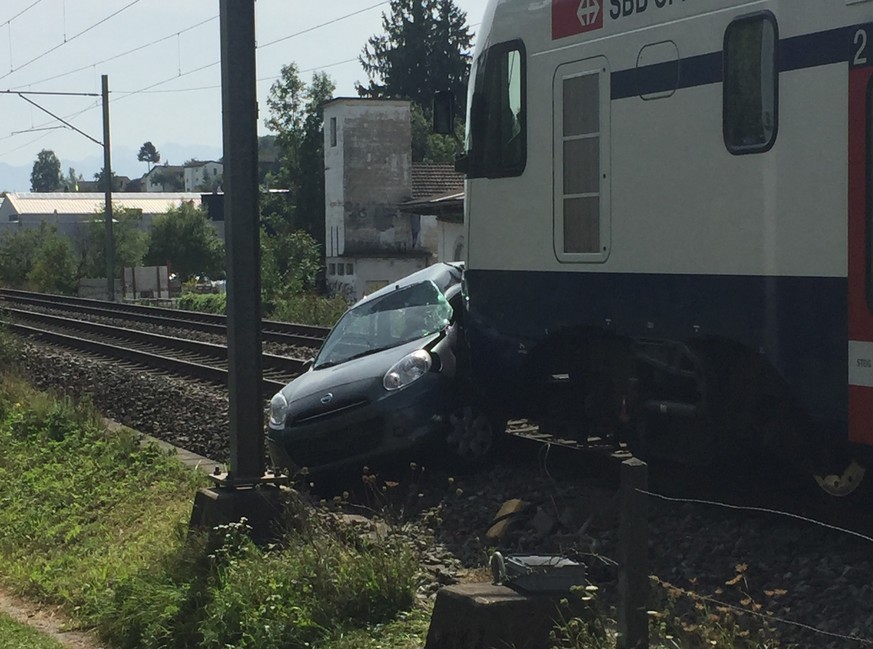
(443, 274)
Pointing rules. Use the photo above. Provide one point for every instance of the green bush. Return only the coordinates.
(205, 302)
(97, 523)
(309, 309)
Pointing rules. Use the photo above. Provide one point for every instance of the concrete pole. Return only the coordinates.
(109, 245)
(241, 217)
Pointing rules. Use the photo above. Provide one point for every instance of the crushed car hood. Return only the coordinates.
(354, 372)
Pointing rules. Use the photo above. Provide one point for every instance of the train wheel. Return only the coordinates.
(844, 484)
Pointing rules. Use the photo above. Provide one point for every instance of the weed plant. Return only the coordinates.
(685, 620)
(97, 523)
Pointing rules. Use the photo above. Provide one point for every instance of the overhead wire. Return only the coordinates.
(22, 12)
(150, 88)
(258, 47)
(218, 85)
(40, 128)
(122, 54)
(72, 38)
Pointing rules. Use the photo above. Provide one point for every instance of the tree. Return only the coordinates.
(71, 181)
(290, 261)
(296, 116)
(184, 238)
(39, 257)
(428, 146)
(54, 264)
(17, 252)
(168, 179)
(425, 48)
(46, 174)
(148, 154)
(131, 242)
(116, 181)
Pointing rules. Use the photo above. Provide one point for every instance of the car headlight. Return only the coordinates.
(409, 368)
(278, 407)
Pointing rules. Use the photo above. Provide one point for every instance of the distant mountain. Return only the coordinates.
(124, 163)
(14, 179)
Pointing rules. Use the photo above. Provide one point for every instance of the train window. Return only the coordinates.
(498, 133)
(581, 161)
(751, 89)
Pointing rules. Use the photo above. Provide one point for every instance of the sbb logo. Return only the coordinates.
(571, 17)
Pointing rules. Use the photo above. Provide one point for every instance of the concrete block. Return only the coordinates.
(262, 507)
(487, 616)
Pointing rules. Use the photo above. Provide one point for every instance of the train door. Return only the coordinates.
(860, 234)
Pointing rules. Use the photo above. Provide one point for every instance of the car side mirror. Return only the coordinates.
(307, 364)
(444, 112)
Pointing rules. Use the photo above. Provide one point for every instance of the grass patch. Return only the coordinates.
(20, 636)
(303, 308)
(98, 524)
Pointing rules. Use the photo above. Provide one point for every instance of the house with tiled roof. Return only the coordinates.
(385, 216)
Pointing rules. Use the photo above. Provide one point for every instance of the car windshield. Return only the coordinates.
(399, 317)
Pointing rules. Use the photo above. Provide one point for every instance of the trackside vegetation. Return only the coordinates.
(97, 523)
(14, 635)
(304, 308)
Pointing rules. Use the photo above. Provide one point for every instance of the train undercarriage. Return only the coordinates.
(695, 403)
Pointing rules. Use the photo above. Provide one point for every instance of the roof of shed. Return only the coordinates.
(435, 179)
(90, 202)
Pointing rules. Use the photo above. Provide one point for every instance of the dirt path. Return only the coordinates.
(48, 621)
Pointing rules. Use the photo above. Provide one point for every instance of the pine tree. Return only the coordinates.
(148, 154)
(425, 48)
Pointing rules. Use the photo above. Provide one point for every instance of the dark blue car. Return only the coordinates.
(386, 380)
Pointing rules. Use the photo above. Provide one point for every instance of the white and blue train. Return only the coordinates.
(670, 224)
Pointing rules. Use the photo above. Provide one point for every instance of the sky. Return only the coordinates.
(167, 91)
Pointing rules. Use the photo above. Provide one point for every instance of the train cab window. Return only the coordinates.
(498, 133)
(751, 90)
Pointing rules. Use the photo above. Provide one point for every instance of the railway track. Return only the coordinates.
(187, 358)
(272, 330)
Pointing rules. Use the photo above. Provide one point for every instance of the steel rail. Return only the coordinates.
(117, 343)
(272, 330)
(143, 358)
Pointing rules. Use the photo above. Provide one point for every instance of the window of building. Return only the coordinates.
(751, 89)
(350, 270)
(498, 144)
(333, 131)
(331, 269)
(341, 269)
(581, 161)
